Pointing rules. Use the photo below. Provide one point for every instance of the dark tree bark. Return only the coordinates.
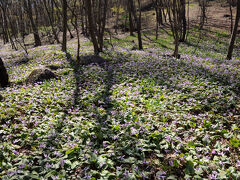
(139, 22)
(6, 24)
(5, 27)
(184, 21)
(139, 27)
(176, 29)
(131, 25)
(91, 27)
(102, 24)
(234, 32)
(64, 12)
(96, 24)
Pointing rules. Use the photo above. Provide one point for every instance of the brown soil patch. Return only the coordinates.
(216, 12)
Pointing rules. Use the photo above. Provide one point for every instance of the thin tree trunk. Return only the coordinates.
(140, 27)
(91, 27)
(28, 5)
(203, 4)
(184, 21)
(64, 12)
(59, 19)
(51, 22)
(5, 27)
(138, 20)
(231, 16)
(103, 24)
(131, 26)
(234, 33)
(175, 54)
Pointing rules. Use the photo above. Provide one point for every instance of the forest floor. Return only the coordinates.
(217, 13)
(142, 115)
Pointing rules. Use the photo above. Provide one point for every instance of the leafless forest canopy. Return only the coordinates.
(53, 21)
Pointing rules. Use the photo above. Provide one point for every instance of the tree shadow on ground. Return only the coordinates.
(103, 124)
(103, 96)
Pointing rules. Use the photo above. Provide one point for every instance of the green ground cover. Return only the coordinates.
(143, 115)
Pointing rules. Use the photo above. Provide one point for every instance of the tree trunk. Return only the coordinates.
(64, 12)
(176, 29)
(28, 6)
(91, 27)
(231, 16)
(202, 4)
(102, 25)
(139, 24)
(131, 26)
(184, 21)
(51, 21)
(138, 20)
(234, 32)
(5, 27)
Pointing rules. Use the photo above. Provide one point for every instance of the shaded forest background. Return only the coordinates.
(54, 21)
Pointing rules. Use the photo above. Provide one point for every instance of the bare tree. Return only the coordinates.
(28, 8)
(50, 18)
(183, 20)
(130, 18)
(4, 5)
(231, 3)
(64, 12)
(174, 15)
(138, 19)
(159, 16)
(234, 32)
(96, 26)
(203, 16)
(91, 27)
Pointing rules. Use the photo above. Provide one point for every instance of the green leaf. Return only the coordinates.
(70, 151)
(234, 142)
(31, 176)
(190, 168)
(191, 144)
(51, 173)
(117, 127)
